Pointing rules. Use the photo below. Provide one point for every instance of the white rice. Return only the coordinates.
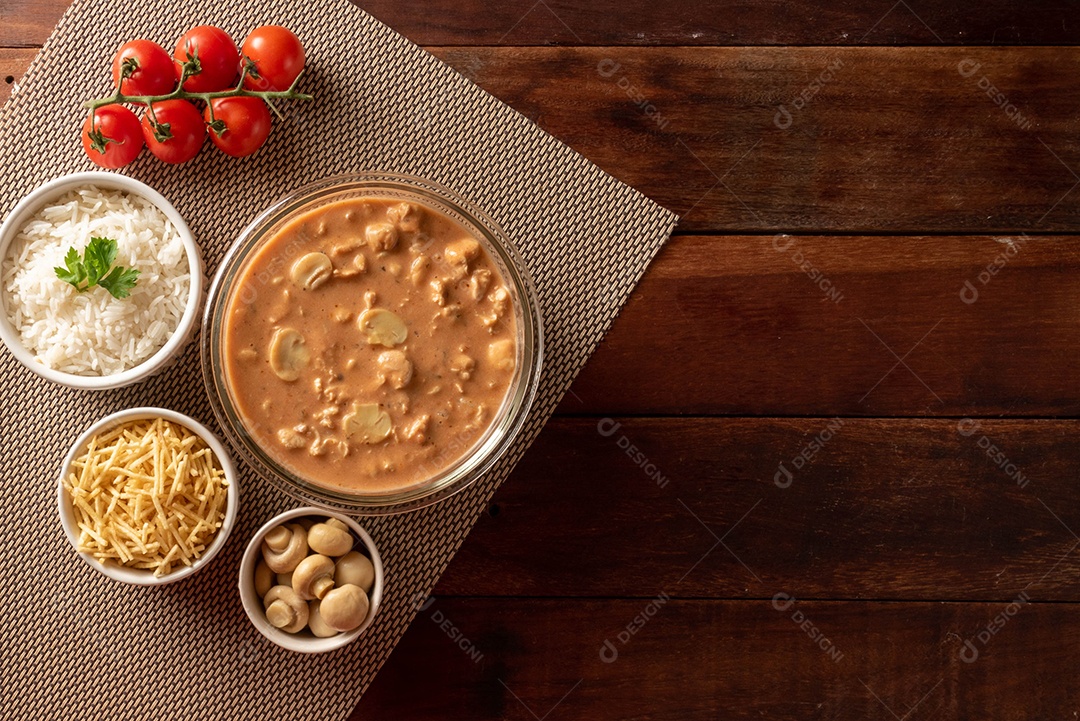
(93, 333)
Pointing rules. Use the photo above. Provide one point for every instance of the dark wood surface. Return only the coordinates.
(902, 509)
(701, 660)
(897, 141)
(810, 402)
(679, 22)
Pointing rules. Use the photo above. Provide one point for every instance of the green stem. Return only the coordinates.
(180, 94)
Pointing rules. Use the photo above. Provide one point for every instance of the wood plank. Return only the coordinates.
(886, 509)
(682, 22)
(886, 140)
(746, 312)
(13, 63)
(687, 22)
(691, 660)
(27, 23)
(733, 325)
(898, 140)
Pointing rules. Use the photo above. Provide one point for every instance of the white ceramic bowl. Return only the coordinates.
(305, 642)
(136, 576)
(185, 329)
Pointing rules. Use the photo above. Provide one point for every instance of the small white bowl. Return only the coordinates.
(137, 576)
(304, 642)
(185, 329)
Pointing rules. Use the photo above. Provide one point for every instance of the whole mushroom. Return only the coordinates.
(284, 547)
(345, 607)
(314, 577)
(264, 578)
(355, 568)
(318, 626)
(285, 609)
(330, 539)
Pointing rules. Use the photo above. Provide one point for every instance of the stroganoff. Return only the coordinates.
(369, 344)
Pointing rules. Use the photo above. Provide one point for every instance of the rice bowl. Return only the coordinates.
(91, 339)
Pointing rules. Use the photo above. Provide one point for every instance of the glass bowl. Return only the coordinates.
(506, 422)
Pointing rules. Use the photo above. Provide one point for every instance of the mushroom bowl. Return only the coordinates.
(308, 573)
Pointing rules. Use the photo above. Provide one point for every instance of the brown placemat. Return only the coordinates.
(76, 645)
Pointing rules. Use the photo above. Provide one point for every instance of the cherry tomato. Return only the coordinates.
(113, 137)
(278, 57)
(211, 58)
(179, 134)
(244, 123)
(150, 70)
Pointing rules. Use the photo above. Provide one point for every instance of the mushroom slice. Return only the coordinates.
(395, 368)
(311, 270)
(501, 354)
(382, 237)
(381, 327)
(288, 353)
(366, 423)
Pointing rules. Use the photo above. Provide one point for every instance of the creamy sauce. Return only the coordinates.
(369, 344)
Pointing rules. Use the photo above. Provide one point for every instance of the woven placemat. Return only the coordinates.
(76, 645)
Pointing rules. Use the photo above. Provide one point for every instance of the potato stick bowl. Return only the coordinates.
(147, 496)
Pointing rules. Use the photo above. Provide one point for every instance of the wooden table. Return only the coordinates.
(824, 465)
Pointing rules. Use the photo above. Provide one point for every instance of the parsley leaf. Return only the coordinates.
(98, 258)
(93, 269)
(75, 273)
(120, 281)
